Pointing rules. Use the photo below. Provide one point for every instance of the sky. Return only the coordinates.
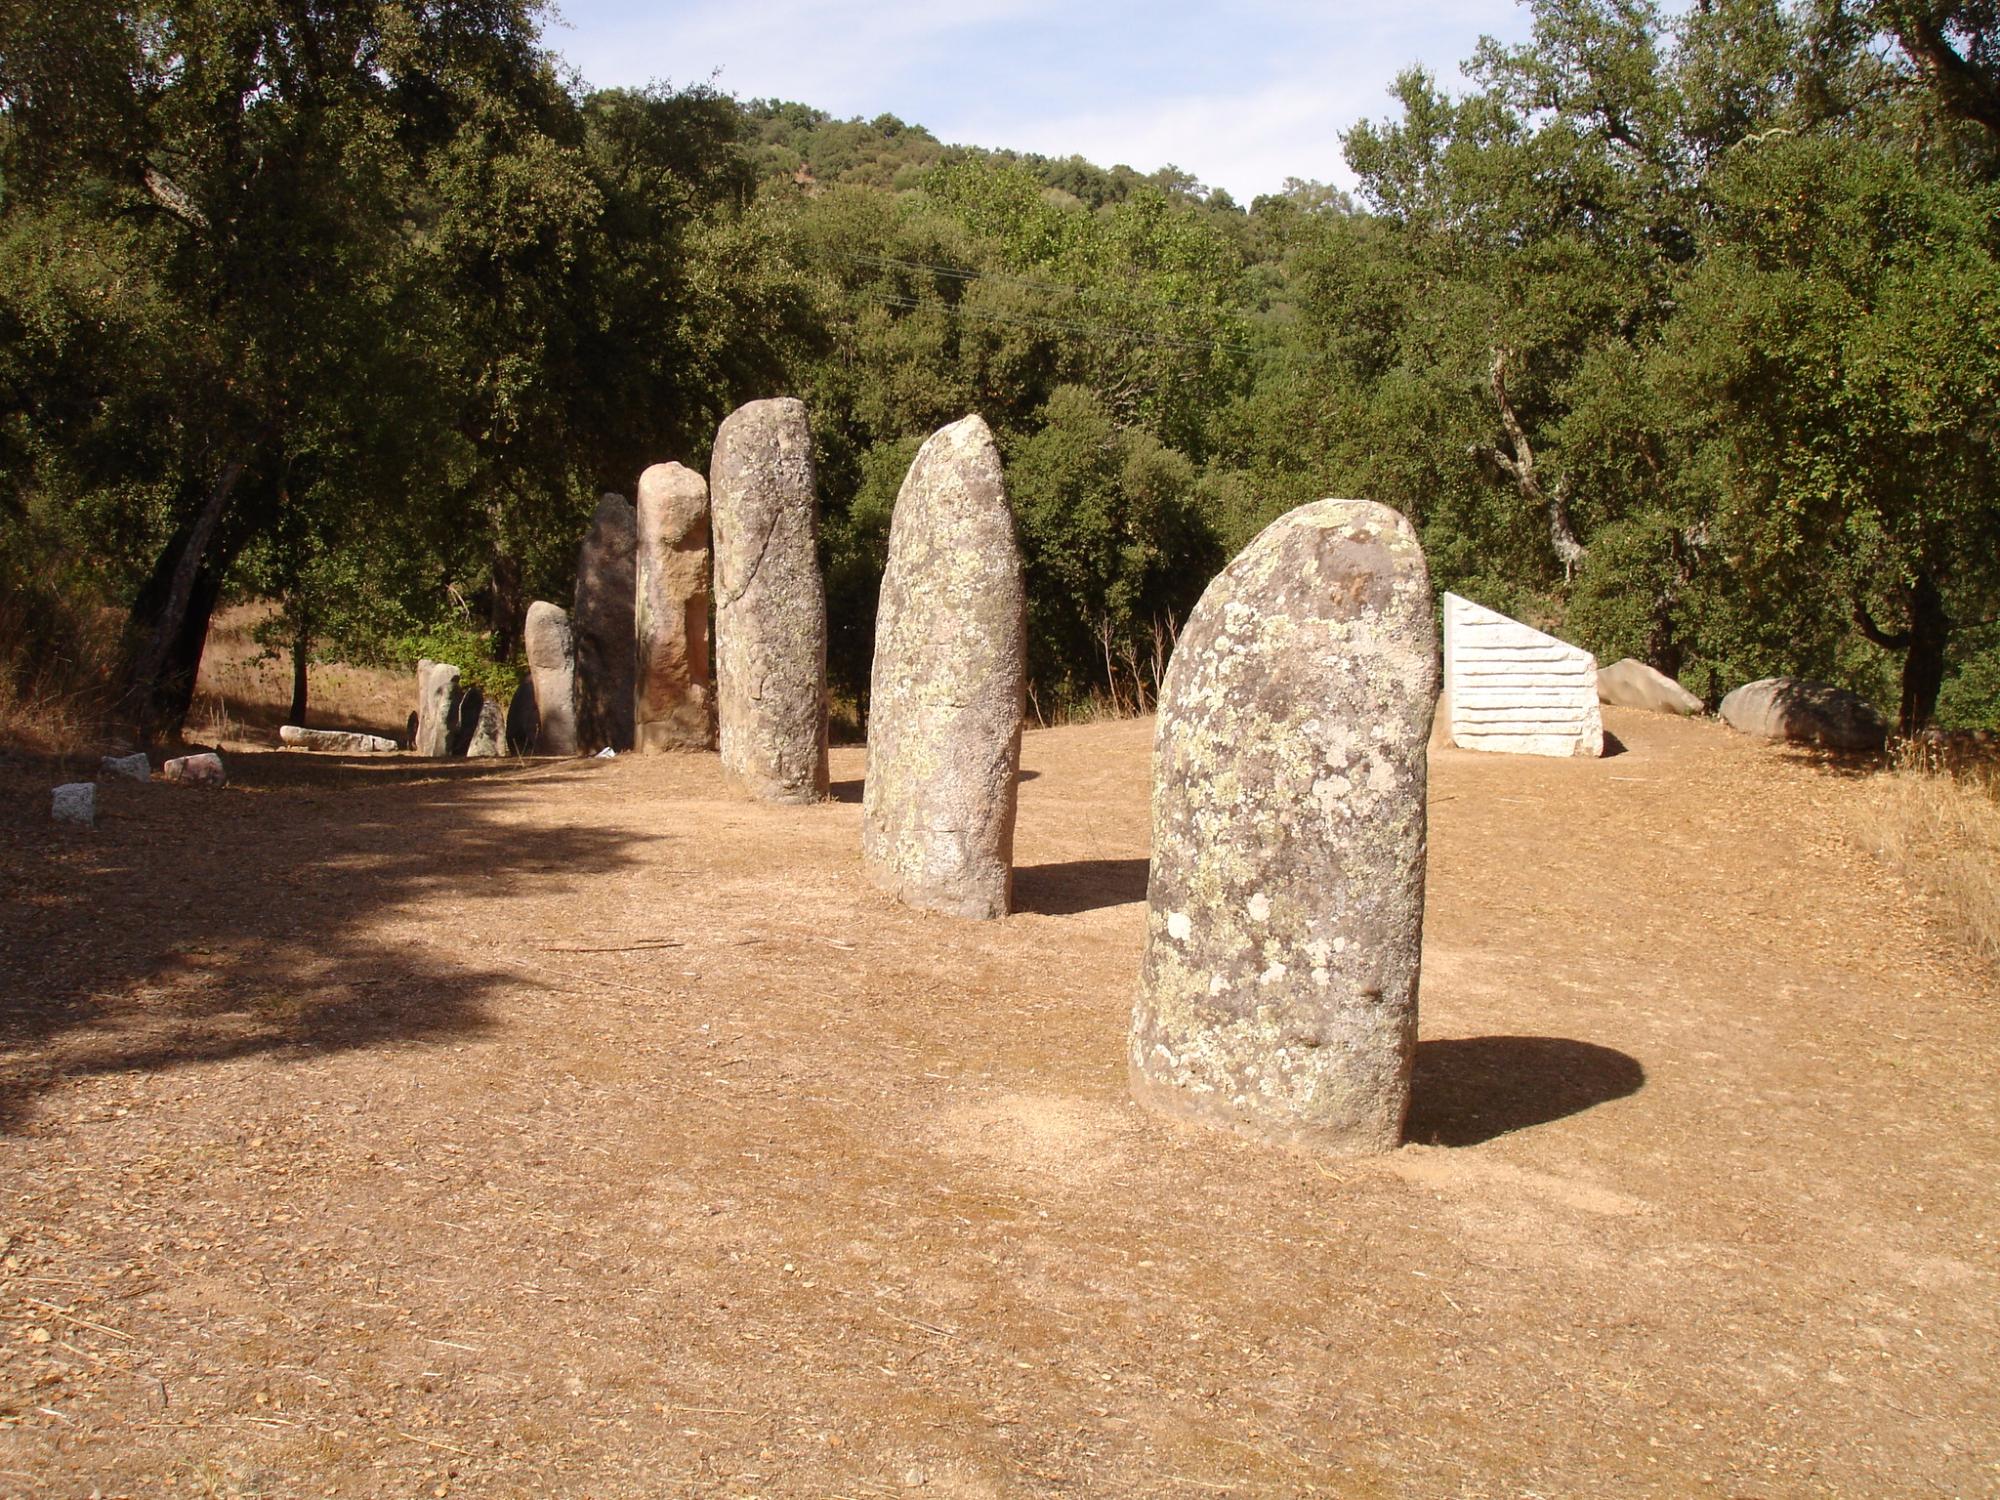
(1242, 96)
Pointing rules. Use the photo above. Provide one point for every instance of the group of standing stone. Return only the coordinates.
(631, 668)
(1285, 905)
(453, 718)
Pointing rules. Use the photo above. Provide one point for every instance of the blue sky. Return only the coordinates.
(1241, 96)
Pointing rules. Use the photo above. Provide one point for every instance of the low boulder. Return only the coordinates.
(1632, 684)
(1798, 712)
(196, 770)
(133, 767)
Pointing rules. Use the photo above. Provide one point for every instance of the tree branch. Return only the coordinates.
(1865, 623)
(1521, 468)
(169, 195)
(1964, 89)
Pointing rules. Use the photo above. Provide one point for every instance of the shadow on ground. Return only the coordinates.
(194, 926)
(851, 789)
(1471, 1089)
(1079, 885)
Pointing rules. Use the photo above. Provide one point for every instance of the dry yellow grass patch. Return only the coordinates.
(1939, 829)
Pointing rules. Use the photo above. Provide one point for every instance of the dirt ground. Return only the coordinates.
(383, 1128)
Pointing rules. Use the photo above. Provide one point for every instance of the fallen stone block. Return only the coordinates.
(334, 741)
(1632, 684)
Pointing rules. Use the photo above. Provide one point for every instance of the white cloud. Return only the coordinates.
(1242, 97)
(1248, 142)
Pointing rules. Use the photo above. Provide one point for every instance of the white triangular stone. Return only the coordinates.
(1508, 687)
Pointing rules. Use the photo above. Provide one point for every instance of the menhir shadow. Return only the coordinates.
(1079, 885)
(1471, 1089)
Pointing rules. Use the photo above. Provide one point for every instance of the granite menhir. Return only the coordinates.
(770, 604)
(944, 702)
(606, 654)
(1285, 907)
(674, 703)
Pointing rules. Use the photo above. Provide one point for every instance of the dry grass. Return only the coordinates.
(376, 1126)
(1939, 828)
(56, 661)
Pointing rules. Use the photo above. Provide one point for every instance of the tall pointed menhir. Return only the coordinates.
(674, 703)
(1285, 908)
(944, 704)
(770, 604)
(606, 648)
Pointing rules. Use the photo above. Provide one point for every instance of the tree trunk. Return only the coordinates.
(301, 658)
(506, 610)
(1923, 643)
(1519, 465)
(160, 629)
(161, 703)
(1923, 664)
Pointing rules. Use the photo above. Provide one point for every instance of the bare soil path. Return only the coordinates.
(569, 1129)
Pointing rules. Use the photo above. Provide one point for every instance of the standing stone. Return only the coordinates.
(606, 655)
(75, 802)
(437, 699)
(1285, 909)
(770, 604)
(1509, 687)
(673, 706)
(944, 720)
(487, 732)
(551, 651)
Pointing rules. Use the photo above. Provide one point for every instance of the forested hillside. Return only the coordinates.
(1679, 336)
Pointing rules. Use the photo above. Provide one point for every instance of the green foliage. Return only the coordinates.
(1113, 544)
(1971, 696)
(1676, 332)
(469, 649)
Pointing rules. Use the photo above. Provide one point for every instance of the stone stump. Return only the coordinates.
(133, 767)
(602, 622)
(74, 802)
(486, 732)
(770, 604)
(1278, 994)
(437, 701)
(944, 720)
(674, 697)
(551, 652)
